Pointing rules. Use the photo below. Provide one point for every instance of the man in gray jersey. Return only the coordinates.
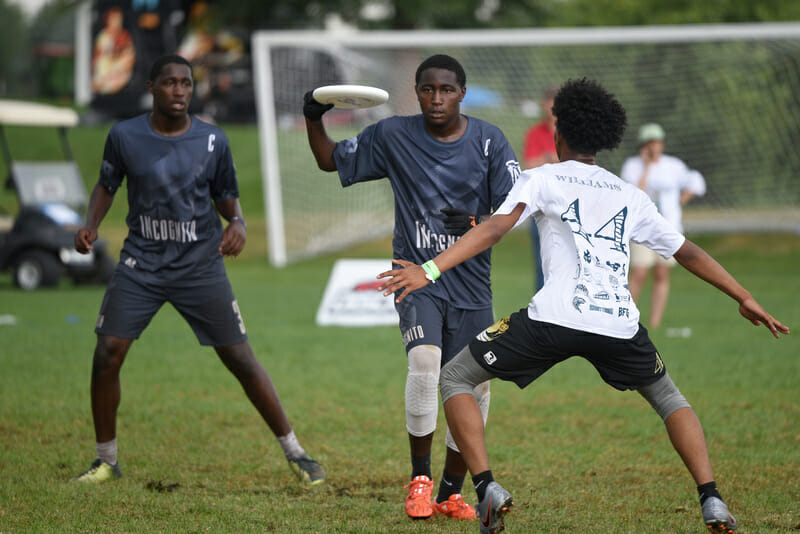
(447, 171)
(587, 216)
(180, 179)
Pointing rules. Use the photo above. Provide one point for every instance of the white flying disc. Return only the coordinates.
(350, 96)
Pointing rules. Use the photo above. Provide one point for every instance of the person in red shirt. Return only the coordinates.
(540, 148)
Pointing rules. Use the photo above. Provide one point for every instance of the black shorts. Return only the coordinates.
(427, 320)
(520, 350)
(132, 299)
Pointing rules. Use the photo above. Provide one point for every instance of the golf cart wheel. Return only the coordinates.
(36, 268)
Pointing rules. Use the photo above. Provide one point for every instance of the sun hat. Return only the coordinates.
(651, 132)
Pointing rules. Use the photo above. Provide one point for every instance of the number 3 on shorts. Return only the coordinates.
(235, 306)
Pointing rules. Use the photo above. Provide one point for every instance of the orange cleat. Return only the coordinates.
(455, 508)
(418, 501)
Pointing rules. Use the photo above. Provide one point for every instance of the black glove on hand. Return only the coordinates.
(457, 221)
(312, 109)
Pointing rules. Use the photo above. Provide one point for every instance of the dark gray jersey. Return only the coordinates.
(173, 225)
(473, 173)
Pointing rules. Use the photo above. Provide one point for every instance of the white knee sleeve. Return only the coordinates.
(422, 399)
(483, 395)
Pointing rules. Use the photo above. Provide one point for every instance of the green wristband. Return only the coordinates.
(432, 270)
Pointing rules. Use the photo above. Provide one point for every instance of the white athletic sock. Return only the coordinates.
(291, 447)
(107, 452)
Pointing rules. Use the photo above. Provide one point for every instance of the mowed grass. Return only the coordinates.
(576, 454)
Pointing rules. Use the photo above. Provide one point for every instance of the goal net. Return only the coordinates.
(728, 97)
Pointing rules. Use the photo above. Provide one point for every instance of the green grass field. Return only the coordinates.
(576, 455)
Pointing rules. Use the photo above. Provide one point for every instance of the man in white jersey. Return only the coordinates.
(670, 184)
(587, 216)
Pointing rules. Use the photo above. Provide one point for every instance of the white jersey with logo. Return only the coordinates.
(586, 217)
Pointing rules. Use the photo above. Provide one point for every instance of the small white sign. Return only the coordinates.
(352, 298)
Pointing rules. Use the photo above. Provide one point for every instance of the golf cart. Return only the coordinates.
(37, 244)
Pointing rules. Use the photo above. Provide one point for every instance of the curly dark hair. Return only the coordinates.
(588, 117)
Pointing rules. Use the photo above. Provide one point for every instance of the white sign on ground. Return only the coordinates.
(352, 298)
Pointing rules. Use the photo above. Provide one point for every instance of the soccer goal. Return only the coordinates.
(728, 97)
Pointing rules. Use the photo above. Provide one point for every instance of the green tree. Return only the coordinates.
(53, 33)
(14, 49)
(445, 14)
(635, 12)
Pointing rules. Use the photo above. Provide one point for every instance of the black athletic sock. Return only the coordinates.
(449, 485)
(481, 480)
(421, 465)
(709, 489)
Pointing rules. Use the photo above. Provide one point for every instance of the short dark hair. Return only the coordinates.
(588, 117)
(442, 61)
(167, 59)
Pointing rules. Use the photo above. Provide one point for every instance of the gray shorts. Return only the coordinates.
(208, 305)
(427, 320)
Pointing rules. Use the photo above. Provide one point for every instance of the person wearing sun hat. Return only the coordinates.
(670, 183)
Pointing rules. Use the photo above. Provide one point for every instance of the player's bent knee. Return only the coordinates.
(421, 400)
(240, 360)
(664, 396)
(422, 404)
(421, 393)
(462, 374)
(425, 359)
(110, 351)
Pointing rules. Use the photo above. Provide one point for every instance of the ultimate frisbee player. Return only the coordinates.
(587, 218)
(180, 177)
(447, 170)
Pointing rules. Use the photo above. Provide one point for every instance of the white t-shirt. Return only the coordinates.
(586, 217)
(666, 179)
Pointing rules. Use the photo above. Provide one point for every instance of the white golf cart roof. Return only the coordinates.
(21, 113)
(42, 182)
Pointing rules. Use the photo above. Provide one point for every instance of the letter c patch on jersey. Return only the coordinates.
(211, 138)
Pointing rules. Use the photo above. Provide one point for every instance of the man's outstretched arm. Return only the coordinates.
(479, 238)
(698, 262)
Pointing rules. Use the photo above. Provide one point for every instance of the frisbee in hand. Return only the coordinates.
(350, 96)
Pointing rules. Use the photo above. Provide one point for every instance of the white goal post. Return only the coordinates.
(728, 96)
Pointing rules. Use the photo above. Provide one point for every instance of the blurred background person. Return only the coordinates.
(113, 56)
(540, 148)
(670, 184)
